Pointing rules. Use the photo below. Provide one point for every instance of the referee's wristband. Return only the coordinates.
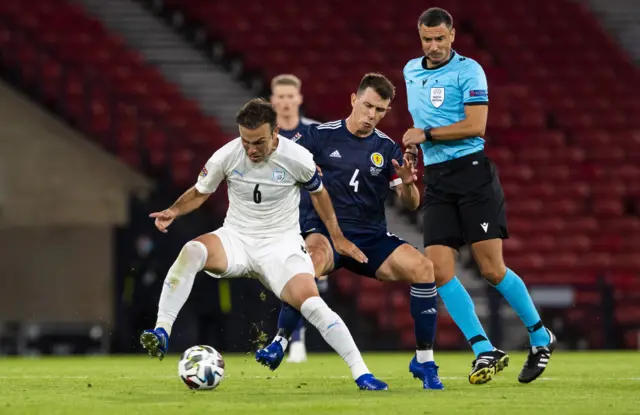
(427, 134)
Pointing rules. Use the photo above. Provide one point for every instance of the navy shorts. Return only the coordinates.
(377, 246)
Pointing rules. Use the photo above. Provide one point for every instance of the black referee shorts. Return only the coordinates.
(463, 202)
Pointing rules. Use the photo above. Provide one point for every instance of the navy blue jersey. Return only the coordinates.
(299, 131)
(296, 134)
(357, 173)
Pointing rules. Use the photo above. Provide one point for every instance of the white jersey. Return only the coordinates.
(263, 197)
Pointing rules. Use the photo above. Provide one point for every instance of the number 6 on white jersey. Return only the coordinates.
(354, 182)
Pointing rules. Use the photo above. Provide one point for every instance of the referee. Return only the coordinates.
(464, 203)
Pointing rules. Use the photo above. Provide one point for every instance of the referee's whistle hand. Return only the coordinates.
(413, 137)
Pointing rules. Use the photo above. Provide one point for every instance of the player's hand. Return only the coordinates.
(413, 137)
(163, 219)
(319, 170)
(412, 152)
(343, 246)
(407, 172)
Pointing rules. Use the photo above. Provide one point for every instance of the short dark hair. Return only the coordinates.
(378, 83)
(255, 113)
(435, 16)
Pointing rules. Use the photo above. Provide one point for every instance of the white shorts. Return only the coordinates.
(273, 261)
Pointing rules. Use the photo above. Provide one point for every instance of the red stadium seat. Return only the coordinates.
(607, 243)
(543, 244)
(596, 262)
(535, 156)
(583, 225)
(564, 261)
(81, 53)
(525, 207)
(182, 168)
(563, 207)
(156, 146)
(608, 208)
(578, 243)
(542, 190)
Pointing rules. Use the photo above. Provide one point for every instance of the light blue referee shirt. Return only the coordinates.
(437, 97)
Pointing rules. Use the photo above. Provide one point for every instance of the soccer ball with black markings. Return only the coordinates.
(201, 368)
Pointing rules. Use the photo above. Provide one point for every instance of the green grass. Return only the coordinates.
(574, 383)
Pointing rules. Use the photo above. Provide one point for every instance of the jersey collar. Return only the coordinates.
(292, 130)
(445, 63)
(352, 135)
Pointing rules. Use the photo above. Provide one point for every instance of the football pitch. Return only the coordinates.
(574, 383)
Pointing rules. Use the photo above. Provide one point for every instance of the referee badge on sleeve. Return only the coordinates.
(437, 96)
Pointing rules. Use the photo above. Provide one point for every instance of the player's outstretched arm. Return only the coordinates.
(190, 200)
(322, 204)
(209, 178)
(407, 191)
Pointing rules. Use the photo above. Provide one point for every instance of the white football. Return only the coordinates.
(201, 368)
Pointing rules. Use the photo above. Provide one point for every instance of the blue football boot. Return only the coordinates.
(368, 382)
(427, 372)
(271, 356)
(155, 341)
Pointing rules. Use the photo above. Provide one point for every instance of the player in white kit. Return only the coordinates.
(260, 237)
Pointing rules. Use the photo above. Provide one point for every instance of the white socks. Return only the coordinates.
(423, 356)
(335, 333)
(283, 342)
(177, 286)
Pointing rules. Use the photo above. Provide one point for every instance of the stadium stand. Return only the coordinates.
(566, 140)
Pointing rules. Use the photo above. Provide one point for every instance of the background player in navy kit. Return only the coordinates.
(359, 165)
(464, 202)
(286, 97)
